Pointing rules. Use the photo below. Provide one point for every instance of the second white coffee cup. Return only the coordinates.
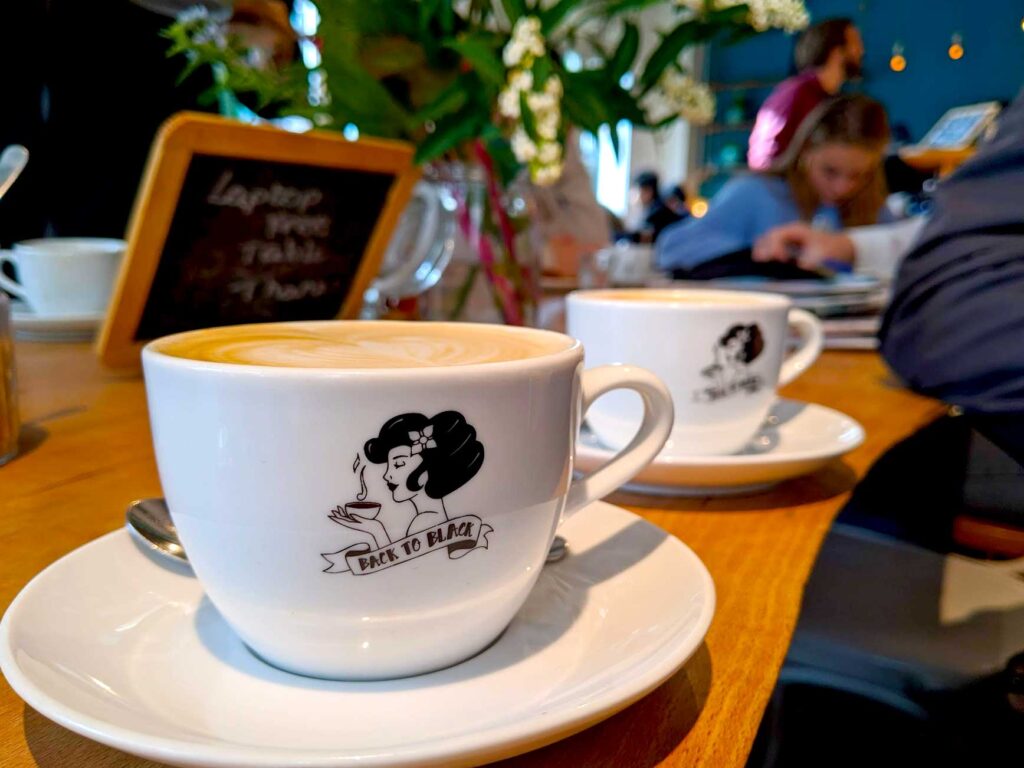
(64, 275)
(721, 354)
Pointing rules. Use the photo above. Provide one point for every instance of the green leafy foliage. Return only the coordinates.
(431, 71)
(482, 51)
(555, 14)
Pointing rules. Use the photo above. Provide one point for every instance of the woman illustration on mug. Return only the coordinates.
(425, 460)
(735, 350)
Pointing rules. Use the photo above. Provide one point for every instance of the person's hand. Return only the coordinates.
(807, 247)
(375, 528)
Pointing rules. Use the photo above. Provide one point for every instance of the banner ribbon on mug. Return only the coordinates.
(460, 536)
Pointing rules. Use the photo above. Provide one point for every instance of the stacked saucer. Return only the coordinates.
(29, 326)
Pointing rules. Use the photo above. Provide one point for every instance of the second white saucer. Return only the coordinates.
(797, 439)
(28, 326)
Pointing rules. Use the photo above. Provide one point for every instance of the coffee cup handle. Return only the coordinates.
(13, 288)
(649, 440)
(812, 339)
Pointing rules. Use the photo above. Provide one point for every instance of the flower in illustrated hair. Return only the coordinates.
(421, 440)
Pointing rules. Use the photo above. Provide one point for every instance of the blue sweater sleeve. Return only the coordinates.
(728, 226)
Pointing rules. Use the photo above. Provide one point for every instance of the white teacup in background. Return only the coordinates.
(627, 263)
(63, 275)
(376, 499)
(719, 352)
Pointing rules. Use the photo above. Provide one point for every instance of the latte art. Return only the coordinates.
(374, 344)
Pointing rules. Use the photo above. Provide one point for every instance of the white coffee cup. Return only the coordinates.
(719, 352)
(627, 263)
(259, 464)
(63, 275)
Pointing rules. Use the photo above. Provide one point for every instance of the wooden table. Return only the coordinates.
(88, 452)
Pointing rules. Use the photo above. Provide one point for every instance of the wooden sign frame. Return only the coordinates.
(191, 133)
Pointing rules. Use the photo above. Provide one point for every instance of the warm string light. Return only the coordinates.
(956, 48)
(699, 208)
(897, 63)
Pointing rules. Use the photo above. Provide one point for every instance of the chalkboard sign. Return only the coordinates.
(238, 224)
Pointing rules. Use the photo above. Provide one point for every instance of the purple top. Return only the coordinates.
(780, 116)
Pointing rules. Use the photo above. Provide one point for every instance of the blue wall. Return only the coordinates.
(992, 66)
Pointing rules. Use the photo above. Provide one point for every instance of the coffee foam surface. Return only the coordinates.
(359, 345)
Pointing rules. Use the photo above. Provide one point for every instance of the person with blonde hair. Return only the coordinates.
(830, 177)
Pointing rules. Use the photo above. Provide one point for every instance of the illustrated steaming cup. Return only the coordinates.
(367, 509)
(722, 354)
(63, 275)
(456, 440)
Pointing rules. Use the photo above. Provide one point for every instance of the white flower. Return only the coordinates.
(553, 87)
(508, 104)
(788, 15)
(513, 54)
(194, 13)
(526, 43)
(550, 152)
(547, 125)
(527, 31)
(211, 33)
(520, 80)
(546, 175)
(682, 95)
(522, 146)
(541, 103)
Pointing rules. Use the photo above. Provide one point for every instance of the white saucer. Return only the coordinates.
(797, 439)
(28, 326)
(122, 648)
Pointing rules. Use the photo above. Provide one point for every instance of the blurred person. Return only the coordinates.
(826, 56)
(656, 214)
(875, 249)
(953, 330)
(675, 201)
(830, 177)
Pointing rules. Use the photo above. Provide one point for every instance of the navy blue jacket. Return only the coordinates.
(955, 328)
